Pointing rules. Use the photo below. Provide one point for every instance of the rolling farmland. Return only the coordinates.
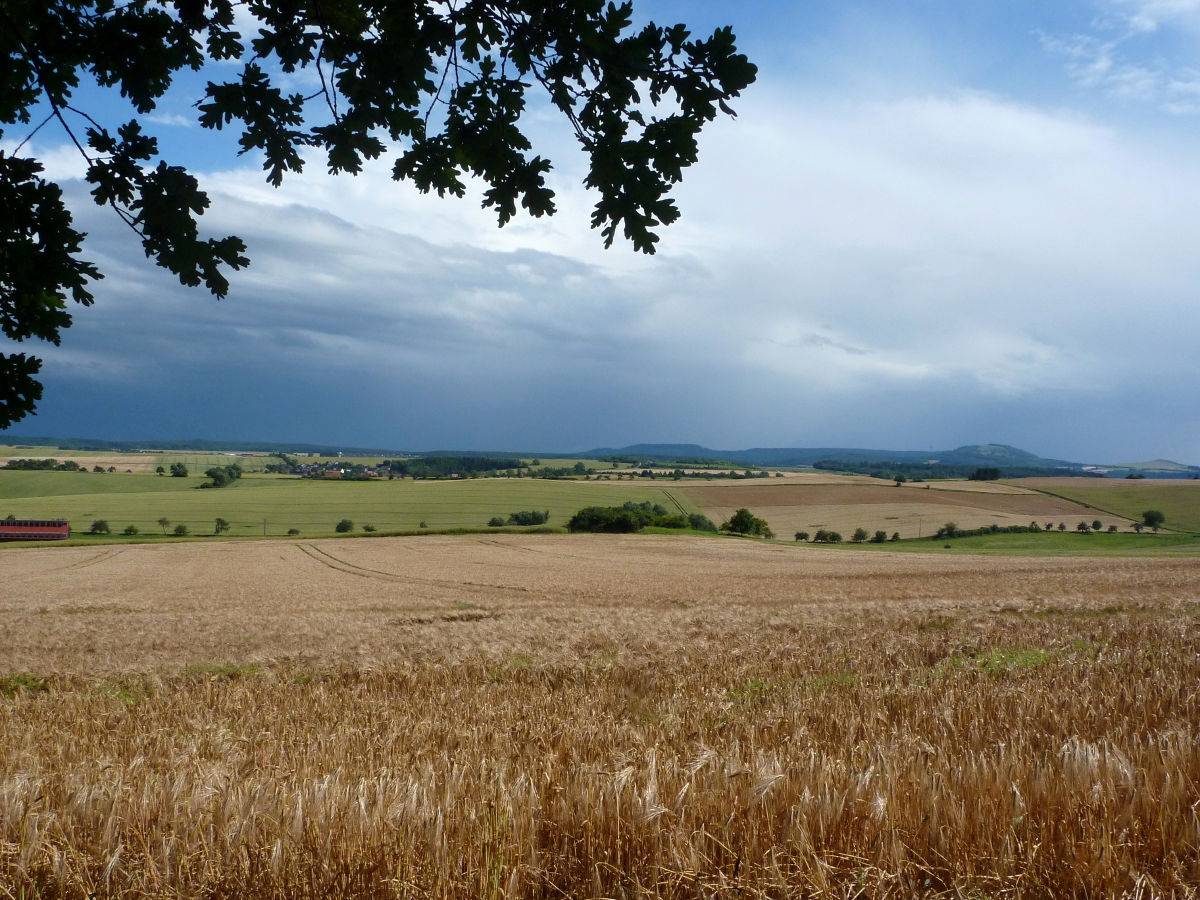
(1178, 499)
(594, 716)
(312, 506)
(913, 510)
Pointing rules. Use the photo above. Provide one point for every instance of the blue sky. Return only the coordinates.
(932, 224)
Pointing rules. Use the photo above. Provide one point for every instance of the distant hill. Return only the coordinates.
(974, 455)
(971, 455)
(1154, 468)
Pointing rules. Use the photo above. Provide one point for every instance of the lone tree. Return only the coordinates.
(1152, 518)
(442, 85)
(220, 526)
(163, 523)
(745, 522)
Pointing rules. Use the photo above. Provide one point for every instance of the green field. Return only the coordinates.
(1178, 500)
(198, 462)
(30, 452)
(314, 507)
(1046, 543)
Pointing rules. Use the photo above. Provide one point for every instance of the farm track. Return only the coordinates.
(102, 556)
(338, 564)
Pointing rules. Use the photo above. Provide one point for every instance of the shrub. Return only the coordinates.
(895, 535)
(130, 529)
(368, 527)
(802, 535)
(181, 530)
(529, 517)
(701, 522)
(344, 526)
(495, 522)
(292, 532)
(100, 526)
(421, 524)
(879, 537)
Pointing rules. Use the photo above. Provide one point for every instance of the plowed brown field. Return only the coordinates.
(911, 510)
(594, 716)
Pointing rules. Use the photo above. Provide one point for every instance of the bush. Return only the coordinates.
(631, 517)
(895, 535)
(100, 526)
(529, 517)
(130, 529)
(369, 527)
(495, 522)
(292, 532)
(421, 524)
(344, 526)
(879, 537)
(181, 530)
(802, 535)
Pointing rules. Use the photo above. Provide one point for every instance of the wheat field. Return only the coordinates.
(594, 716)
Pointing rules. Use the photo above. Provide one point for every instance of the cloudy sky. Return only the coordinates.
(932, 224)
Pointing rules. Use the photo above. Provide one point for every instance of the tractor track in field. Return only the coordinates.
(338, 564)
(102, 556)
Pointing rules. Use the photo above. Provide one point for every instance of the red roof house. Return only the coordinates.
(34, 529)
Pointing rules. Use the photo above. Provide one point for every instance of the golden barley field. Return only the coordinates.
(594, 716)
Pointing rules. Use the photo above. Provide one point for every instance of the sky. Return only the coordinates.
(931, 224)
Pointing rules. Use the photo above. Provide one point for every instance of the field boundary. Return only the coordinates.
(1102, 509)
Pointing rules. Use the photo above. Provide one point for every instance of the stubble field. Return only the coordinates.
(594, 716)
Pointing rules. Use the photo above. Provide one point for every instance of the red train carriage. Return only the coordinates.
(34, 529)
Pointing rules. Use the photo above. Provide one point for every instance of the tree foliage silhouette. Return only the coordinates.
(442, 85)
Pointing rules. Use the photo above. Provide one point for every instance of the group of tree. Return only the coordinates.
(101, 526)
(222, 475)
(892, 470)
(985, 473)
(745, 522)
(633, 516)
(447, 466)
(178, 470)
(44, 465)
(522, 517)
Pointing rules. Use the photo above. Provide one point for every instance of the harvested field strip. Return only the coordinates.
(1026, 503)
(910, 510)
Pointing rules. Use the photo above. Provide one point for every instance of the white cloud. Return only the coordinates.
(1149, 15)
(1124, 57)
